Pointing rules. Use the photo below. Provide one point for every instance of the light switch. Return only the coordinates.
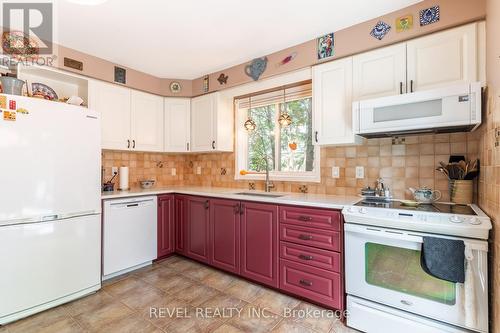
(360, 172)
(335, 172)
(174, 171)
(198, 170)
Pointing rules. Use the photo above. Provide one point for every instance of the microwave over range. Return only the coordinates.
(448, 109)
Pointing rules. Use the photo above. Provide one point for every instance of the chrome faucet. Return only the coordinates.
(268, 184)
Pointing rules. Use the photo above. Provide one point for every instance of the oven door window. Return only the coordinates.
(399, 269)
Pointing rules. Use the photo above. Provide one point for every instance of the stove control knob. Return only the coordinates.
(456, 219)
(474, 221)
(363, 211)
(351, 210)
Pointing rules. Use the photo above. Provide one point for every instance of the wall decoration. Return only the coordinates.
(72, 63)
(429, 15)
(222, 78)
(287, 59)
(41, 90)
(380, 30)
(175, 87)
(120, 75)
(325, 46)
(404, 23)
(256, 68)
(206, 86)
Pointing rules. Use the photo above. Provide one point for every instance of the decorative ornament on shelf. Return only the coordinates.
(205, 84)
(325, 46)
(429, 15)
(287, 59)
(380, 30)
(249, 124)
(256, 68)
(404, 23)
(284, 119)
(222, 78)
(175, 87)
(292, 145)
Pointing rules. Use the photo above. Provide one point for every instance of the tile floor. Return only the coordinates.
(125, 304)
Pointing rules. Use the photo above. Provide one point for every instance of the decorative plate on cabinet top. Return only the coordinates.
(41, 90)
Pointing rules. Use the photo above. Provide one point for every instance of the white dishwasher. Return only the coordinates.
(129, 234)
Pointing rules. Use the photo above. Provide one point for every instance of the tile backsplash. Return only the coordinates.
(405, 162)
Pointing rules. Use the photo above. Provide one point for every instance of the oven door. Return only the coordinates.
(383, 265)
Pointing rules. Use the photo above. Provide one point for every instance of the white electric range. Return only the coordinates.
(387, 289)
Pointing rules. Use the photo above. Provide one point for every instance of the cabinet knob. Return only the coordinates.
(187, 146)
(316, 136)
(305, 218)
(411, 86)
(207, 204)
(242, 208)
(400, 88)
(213, 144)
(133, 144)
(128, 143)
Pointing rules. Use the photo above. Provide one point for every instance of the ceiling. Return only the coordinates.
(186, 39)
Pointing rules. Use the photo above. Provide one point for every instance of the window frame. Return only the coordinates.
(241, 151)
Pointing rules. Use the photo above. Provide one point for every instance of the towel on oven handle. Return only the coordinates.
(443, 258)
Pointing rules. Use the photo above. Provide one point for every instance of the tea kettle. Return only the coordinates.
(425, 194)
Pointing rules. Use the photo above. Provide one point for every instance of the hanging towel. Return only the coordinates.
(443, 258)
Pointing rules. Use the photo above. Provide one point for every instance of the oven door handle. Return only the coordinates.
(383, 233)
(408, 236)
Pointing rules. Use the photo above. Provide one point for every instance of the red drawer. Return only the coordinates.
(325, 239)
(312, 283)
(317, 218)
(311, 256)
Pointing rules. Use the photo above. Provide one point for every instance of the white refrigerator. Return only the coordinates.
(50, 208)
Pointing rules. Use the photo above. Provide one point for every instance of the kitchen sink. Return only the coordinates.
(260, 194)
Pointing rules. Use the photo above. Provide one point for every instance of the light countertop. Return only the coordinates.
(287, 198)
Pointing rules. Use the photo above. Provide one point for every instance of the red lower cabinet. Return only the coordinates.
(165, 228)
(197, 221)
(225, 234)
(312, 283)
(259, 242)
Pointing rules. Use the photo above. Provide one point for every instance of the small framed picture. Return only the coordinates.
(120, 75)
(325, 46)
(205, 84)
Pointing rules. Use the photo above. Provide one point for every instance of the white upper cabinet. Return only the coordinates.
(380, 73)
(177, 124)
(146, 122)
(113, 103)
(332, 102)
(443, 58)
(211, 123)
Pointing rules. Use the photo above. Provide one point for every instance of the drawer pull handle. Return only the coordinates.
(305, 218)
(305, 283)
(305, 257)
(305, 237)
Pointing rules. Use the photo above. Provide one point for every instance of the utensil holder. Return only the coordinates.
(461, 191)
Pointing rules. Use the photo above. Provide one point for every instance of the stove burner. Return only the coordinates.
(436, 207)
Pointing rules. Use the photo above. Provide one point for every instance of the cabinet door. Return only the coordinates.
(332, 98)
(177, 124)
(180, 223)
(379, 73)
(442, 58)
(113, 103)
(259, 242)
(198, 228)
(202, 123)
(165, 229)
(147, 122)
(224, 234)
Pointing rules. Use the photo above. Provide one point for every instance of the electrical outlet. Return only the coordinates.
(198, 170)
(114, 170)
(335, 172)
(174, 171)
(360, 172)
